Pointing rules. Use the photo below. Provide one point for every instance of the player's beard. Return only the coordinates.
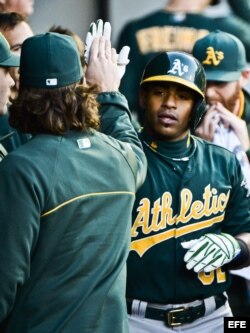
(231, 101)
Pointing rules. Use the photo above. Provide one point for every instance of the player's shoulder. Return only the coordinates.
(30, 154)
(213, 150)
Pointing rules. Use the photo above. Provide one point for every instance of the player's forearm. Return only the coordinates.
(116, 122)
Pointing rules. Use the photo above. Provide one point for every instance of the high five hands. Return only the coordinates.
(105, 67)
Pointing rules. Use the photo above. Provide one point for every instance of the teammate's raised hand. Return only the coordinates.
(102, 69)
(97, 29)
(100, 29)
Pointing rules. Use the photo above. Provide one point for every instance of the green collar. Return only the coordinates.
(177, 150)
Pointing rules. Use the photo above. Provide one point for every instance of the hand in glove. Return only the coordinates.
(210, 252)
(99, 29)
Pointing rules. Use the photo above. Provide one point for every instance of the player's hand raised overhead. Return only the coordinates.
(102, 69)
(100, 29)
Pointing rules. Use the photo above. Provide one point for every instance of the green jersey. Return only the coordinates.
(65, 210)
(187, 193)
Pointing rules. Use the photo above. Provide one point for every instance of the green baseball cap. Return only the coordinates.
(49, 61)
(222, 55)
(7, 58)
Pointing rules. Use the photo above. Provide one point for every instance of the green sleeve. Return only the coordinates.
(116, 121)
(19, 225)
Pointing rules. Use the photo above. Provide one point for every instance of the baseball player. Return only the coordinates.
(191, 219)
(68, 193)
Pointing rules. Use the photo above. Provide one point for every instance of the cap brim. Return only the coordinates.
(12, 61)
(171, 78)
(222, 76)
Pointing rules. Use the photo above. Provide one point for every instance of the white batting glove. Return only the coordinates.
(99, 29)
(210, 252)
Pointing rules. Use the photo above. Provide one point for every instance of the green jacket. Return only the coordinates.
(164, 31)
(182, 199)
(66, 205)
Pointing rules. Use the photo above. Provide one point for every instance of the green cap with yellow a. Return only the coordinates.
(222, 55)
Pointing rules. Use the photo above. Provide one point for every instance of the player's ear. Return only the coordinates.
(244, 78)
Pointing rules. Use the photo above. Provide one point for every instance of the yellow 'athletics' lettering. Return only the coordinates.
(160, 216)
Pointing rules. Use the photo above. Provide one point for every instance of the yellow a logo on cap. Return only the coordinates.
(213, 57)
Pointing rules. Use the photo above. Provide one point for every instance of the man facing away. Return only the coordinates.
(66, 220)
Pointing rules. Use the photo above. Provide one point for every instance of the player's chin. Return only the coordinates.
(166, 132)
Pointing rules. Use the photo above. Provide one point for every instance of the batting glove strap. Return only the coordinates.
(240, 260)
(210, 252)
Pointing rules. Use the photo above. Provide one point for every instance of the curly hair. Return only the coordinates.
(55, 111)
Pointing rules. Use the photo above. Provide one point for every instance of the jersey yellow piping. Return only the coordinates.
(85, 196)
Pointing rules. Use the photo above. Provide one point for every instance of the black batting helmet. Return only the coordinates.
(182, 68)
